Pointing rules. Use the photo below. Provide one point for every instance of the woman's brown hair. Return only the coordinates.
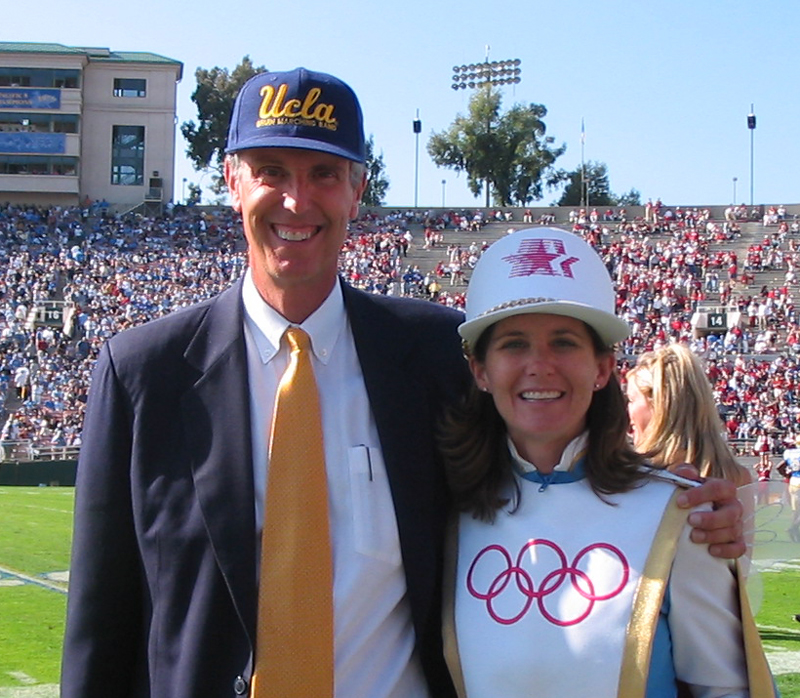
(474, 443)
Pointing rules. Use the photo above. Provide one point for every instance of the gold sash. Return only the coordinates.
(647, 604)
(451, 655)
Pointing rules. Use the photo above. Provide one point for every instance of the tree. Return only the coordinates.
(630, 198)
(377, 183)
(214, 96)
(597, 191)
(595, 179)
(195, 192)
(508, 153)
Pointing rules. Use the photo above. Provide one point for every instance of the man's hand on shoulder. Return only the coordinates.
(720, 529)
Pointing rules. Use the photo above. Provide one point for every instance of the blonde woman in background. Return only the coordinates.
(673, 415)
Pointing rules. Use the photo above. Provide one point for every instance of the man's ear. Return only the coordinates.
(357, 200)
(231, 175)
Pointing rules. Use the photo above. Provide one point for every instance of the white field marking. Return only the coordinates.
(32, 491)
(22, 677)
(784, 661)
(37, 492)
(765, 565)
(40, 508)
(33, 580)
(58, 511)
(49, 690)
(780, 629)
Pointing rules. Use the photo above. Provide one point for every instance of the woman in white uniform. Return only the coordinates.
(574, 573)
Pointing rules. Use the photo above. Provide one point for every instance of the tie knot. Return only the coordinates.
(298, 339)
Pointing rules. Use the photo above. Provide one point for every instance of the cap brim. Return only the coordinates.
(610, 328)
(296, 142)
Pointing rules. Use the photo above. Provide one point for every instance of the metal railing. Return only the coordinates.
(26, 450)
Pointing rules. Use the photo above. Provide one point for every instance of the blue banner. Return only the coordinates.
(29, 98)
(46, 143)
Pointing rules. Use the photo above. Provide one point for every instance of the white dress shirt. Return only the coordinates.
(374, 635)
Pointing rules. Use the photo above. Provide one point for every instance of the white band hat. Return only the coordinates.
(542, 270)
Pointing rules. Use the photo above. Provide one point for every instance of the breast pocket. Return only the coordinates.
(374, 522)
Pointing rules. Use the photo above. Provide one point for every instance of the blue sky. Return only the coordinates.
(664, 88)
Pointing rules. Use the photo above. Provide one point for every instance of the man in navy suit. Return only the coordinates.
(172, 473)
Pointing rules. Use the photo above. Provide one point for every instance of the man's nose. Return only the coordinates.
(296, 195)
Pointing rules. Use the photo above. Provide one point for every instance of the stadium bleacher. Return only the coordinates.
(722, 281)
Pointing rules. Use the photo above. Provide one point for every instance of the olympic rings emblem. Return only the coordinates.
(580, 581)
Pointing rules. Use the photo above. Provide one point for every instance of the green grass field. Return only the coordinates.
(35, 532)
(35, 535)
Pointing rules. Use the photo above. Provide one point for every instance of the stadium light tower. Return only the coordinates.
(751, 124)
(494, 73)
(485, 75)
(417, 127)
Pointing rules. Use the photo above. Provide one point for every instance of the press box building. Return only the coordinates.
(82, 123)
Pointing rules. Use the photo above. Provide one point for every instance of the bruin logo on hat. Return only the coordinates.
(541, 270)
(297, 109)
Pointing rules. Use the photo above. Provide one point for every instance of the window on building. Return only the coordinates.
(64, 166)
(39, 77)
(127, 155)
(130, 87)
(65, 123)
(26, 165)
(41, 123)
(66, 78)
(38, 165)
(10, 77)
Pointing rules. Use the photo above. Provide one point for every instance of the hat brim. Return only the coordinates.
(298, 143)
(610, 328)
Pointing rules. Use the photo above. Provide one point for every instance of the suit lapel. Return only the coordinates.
(216, 416)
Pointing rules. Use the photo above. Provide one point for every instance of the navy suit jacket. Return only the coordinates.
(163, 598)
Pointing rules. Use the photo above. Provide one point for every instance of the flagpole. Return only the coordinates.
(583, 166)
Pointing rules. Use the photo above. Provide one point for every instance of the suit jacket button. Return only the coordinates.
(240, 686)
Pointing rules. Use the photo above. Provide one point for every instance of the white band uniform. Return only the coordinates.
(514, 621)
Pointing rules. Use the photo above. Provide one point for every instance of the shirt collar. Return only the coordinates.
(267, 325)
(574, 451)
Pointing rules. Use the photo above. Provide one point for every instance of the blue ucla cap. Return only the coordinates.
(297, 109)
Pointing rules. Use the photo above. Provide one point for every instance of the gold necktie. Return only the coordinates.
(294, 645)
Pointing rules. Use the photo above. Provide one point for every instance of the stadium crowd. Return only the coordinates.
(117, 271)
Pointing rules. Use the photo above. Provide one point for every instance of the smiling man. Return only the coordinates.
(176, 467)
(172, 483)
(295, 171)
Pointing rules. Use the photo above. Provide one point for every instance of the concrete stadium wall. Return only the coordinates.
(562, 212)
(59, 473)
(38, 199)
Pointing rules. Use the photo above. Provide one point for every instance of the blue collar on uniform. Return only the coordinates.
(557, 477)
